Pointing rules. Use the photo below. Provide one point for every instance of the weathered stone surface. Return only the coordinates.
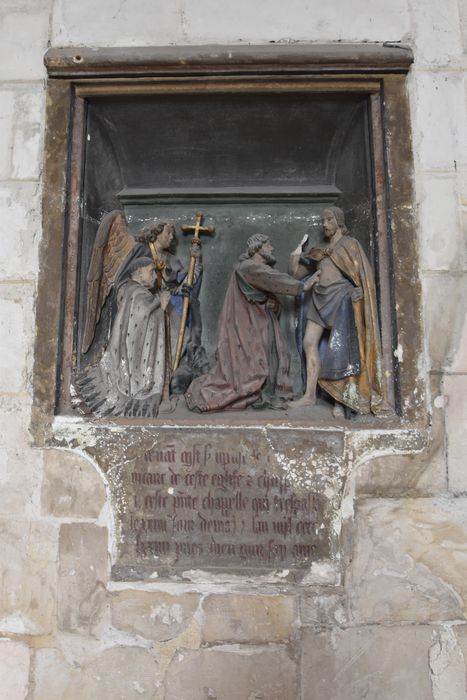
(323, 608)
(243, 23)
(461, 636)
(23, 38)
(462, 176)
(27, 133)
(463, 22)
(123, 27)
(52, 675)
(7, 105)
(455, 387)
(153, 615)
(439, 108)
(447, 665)
(248, 618)
(232, 673)
(407, 463)
(118, 673)
(441, 245)
(71, 486)
(19, 464)
(300, 21)
(14, 669)
(28, 577)
(376, 663)
(20, 207)
(403, 474)
(445, 301)
(437, 35)
(458, 354)
(15, 336)
(82, 576)
(410, 561)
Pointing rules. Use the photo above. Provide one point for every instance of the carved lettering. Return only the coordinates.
(204, 506)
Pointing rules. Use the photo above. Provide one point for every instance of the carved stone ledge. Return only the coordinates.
(156, 60)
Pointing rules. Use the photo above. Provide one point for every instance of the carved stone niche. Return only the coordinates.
(260, 140)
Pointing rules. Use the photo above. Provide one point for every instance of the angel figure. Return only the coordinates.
(146, 283)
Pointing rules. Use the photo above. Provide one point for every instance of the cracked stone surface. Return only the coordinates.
(232, 673)
(410, 561)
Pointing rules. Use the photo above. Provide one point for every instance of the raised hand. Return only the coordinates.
(298, 250)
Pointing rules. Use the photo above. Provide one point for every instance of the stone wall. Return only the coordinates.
(396, 625)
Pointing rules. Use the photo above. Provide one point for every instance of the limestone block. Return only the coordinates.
(83, 568)
(409, 561)
(71, 486)
(447, 664)
(27, 137)
(420, 473)
(14, 669)
(231, 673)
(441, 243)
(121, 673)
(18, 474)
(28, 577)
(437, 33)
(153, 615)
(445, 302)
(323, 609)
(272, 20)
(7, 106)
(20, 216)
(461, 636)
(410, 463)
(248, 618)
(24, 29)
(16, 328)
(375, 663)
(459, 351)
(462, 173)
(19, 464)
(455, 388)
(52, 675)
(463, 22)
(438, 119)
(116, 23)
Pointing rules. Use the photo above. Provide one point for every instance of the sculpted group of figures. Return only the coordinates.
(154, 348)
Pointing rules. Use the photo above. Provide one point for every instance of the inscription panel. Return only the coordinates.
(227, 504)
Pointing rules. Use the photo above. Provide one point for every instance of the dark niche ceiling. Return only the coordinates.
(227, 140)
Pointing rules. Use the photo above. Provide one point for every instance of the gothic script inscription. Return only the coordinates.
(213, 505)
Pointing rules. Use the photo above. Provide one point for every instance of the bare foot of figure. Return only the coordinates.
(304, 402)
(338, 411)
(168, 405)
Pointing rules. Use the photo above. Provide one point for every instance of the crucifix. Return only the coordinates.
(196, 229)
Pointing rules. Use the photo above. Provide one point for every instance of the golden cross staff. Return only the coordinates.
(196, 229)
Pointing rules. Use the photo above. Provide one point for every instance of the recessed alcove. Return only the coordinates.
(252, 163)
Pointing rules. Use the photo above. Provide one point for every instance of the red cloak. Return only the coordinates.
(248, 328)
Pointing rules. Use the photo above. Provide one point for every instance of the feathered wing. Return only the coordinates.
(112, 245)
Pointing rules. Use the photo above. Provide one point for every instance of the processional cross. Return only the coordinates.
(196, 229)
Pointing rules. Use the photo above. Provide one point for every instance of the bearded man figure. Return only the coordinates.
(341, 342)
(252, 358)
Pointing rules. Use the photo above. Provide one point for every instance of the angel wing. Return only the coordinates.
(112, 245)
